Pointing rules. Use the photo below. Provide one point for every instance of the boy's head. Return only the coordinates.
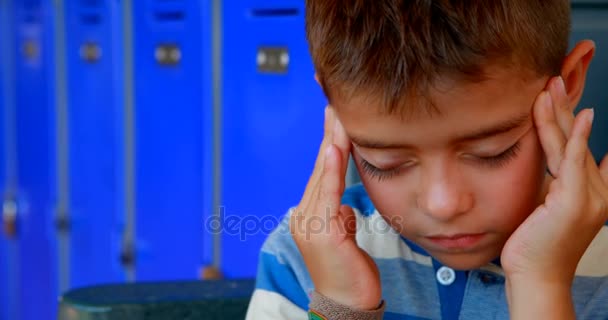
(396, 48)
(437, 98)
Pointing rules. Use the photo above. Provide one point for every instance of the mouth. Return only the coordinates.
(456, 242)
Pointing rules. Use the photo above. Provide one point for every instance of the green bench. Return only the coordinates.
(201, 300)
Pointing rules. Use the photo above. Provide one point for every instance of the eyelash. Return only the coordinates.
(496, 161)
(503, 158)
(380, 174)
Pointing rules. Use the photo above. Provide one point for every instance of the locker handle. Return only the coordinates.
(9, 218)
(62, 223)
(30, 49)
(127, 257)
(90, 52)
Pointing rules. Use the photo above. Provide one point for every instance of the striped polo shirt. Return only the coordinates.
(414, 285)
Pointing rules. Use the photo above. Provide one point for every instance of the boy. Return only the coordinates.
(479, 196)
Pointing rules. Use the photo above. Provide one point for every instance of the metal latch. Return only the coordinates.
(273, 60)
(168, 54)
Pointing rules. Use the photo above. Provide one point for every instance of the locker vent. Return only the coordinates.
(169, 11)
(90, 19)
(32, 11)
(91, 3)
(275, 12)
(89, 12)
(169, 16)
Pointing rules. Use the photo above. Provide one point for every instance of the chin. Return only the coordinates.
(465, 261)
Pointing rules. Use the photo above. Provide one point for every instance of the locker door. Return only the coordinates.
(590, 21)
(35, 157)
(9, 259)
(6, 309)
(272, 123)
(170, 45)
(94, 82)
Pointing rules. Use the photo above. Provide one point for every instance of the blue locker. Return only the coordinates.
(591, 22)
(171, 102)
(94, 83)
(35, 157)
(5, 259)
(9, 262)
(3, 74)
(272, 123)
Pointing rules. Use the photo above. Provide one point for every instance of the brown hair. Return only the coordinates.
(392, 48)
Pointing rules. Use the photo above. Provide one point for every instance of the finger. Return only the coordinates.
(328, 135)
(565, 116)
(574, 166)
(561, 105)
(604, 169)
(328, 132)
(331, 186)
(342, 141)
(551, 136)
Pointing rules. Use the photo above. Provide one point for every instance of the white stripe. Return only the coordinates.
(381, 241)
(268, 305)
(594, 262)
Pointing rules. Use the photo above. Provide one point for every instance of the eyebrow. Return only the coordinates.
(494, 130)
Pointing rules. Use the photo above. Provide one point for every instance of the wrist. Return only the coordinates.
(536, 298)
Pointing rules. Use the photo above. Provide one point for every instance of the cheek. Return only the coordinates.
(390, 197)
(512, 193)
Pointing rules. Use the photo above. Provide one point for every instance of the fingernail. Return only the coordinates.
(547, 101)
(591, 115)
(336, 125)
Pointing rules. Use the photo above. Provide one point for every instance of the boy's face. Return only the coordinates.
(457, 182)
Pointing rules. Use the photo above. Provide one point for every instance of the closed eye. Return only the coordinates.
(380, 174)
(502, 158)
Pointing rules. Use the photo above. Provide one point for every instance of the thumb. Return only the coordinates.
(331, 184)
(604, 169)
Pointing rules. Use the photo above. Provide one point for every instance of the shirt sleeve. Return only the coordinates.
(282, 280)
(321, 307)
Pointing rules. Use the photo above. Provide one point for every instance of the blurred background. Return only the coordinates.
(147, 140)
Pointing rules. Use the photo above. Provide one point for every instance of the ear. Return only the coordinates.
(317, 78)
(574, 70)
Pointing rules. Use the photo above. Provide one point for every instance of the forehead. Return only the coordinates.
(451, 108)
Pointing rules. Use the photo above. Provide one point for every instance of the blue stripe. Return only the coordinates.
(451, 296)
(280, 278)
(414, 247)
(356, 197)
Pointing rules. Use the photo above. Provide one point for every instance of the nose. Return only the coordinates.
(444, 194)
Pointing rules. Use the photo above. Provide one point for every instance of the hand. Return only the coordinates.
(324, 230)
(548, 245)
